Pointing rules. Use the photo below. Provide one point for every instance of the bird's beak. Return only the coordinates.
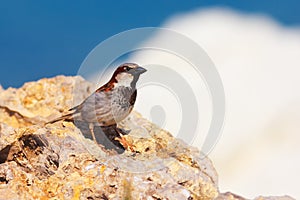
(139, 70)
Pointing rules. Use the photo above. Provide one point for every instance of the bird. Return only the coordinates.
(110, 103)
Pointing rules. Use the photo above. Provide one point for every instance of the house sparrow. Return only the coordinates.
(111, 103)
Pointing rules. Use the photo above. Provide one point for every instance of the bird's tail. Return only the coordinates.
(68, 117)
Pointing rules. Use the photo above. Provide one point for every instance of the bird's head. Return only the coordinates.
(127, 74)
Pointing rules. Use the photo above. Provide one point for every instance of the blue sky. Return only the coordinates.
(46, 38)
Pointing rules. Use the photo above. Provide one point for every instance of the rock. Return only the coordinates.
(230, 196)
(59, 161)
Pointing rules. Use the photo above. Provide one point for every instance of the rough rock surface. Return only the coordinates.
(57, 161)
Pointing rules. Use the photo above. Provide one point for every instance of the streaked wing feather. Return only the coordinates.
(97, 104)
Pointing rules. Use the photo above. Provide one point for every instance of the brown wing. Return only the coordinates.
(97, 108)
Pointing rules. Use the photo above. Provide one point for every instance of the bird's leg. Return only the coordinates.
(91, 127)
(122, 131)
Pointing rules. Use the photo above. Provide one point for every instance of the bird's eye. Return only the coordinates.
(127, 68)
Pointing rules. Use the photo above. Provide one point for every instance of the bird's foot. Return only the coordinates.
(126, 142)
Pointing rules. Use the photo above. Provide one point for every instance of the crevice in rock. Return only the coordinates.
(4, 154)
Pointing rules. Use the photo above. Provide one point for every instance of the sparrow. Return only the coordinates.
(110, 103)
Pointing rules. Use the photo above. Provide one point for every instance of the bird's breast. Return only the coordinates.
(123, 99)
